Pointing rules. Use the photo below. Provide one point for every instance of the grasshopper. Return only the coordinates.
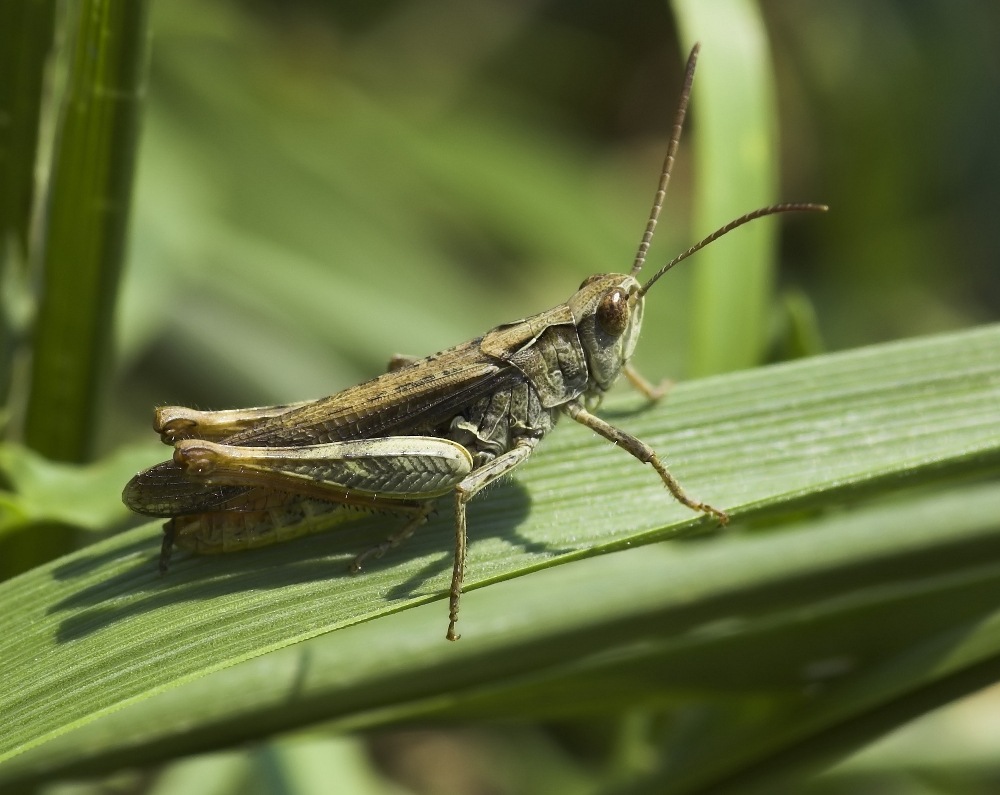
(451, 423)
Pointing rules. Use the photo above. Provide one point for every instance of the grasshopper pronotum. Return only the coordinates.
(451, 423)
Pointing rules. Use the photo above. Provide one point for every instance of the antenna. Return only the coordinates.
(774, 209)
(668, 161)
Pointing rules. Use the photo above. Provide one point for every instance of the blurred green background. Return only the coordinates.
(321, 185)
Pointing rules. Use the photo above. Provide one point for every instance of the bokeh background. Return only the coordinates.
(323, 184)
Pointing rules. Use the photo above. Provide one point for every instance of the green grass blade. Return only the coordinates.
(99, 629)
(735, 147)
(746, 622)
(86, 221)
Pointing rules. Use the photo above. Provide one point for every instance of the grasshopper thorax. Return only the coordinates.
(607, 310)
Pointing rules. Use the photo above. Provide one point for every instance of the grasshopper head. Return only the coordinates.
(608, 313)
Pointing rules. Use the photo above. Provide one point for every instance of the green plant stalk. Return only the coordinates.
(735, 171)
(99, 629)
(87, 219)
(26, 31)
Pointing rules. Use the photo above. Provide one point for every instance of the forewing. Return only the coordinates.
(412, 400)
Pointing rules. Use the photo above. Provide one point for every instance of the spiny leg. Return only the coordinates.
(169, 534)
(396, 538)
(464, 492)
(647, 389)
(644, 453)
(174, 423)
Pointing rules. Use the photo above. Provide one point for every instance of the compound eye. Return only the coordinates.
(613, 312)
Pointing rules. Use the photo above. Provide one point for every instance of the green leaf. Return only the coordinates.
(792, 622)
(48, 508)
(40, 490)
